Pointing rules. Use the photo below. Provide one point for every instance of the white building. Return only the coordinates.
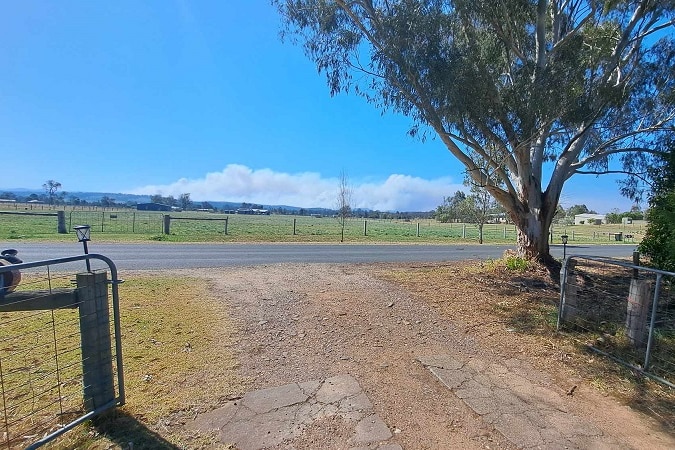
(590, 219)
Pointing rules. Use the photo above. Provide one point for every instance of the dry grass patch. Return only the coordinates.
(178, 360)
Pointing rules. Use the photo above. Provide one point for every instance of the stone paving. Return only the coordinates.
(524, 411)
(514, 399)
(268, 417)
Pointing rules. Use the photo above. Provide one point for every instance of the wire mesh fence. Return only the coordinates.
(122, 222)
(624, 311)
(60, 350)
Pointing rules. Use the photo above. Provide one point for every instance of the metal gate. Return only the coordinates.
(622, 310)
(60, 347)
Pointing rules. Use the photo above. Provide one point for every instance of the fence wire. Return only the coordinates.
(622, 310)
(43, 391)
(122, 222)
(626, 313)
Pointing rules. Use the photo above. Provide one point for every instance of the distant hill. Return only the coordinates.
(133, 199)
(123, 199)
(89, 197)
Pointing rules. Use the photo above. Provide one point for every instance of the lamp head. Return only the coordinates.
(83, 233)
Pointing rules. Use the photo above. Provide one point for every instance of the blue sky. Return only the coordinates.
(203, 97)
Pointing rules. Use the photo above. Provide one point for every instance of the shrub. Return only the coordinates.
(516, 263)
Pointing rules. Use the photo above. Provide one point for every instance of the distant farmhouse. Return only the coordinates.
(590, 219)
(152, 207)
(254, 211)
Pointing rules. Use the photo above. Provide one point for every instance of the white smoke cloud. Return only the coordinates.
(238, 183)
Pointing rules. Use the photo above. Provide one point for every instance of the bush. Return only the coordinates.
(613, 218)
(659, 240)
(516, 263)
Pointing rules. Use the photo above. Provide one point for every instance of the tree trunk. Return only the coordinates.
(533, 237)
(532, 209)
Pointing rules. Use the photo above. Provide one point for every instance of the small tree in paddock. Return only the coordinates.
(50, 187)
(344, 203)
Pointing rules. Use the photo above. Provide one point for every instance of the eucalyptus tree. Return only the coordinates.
(50, 187)
(539, 90)
(449, 210)
(479, 208)
(184, 201)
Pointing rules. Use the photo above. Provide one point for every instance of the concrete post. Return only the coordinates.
(636, 314)
(97, 366)
(571, 298)
(167, 224)
(61, 222)
(636, 262)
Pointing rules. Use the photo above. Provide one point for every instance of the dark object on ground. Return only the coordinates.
(9, 280)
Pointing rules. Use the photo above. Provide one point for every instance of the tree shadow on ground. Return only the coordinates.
(128, 432)
(598, 329)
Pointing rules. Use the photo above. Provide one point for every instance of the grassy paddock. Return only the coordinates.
(177, 353)
(130, 225)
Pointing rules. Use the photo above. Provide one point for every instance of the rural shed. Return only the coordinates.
(152, 207)
(590, 219)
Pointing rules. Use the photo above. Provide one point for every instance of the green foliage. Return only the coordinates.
(579, 209)
(516, 263)
(506, 87)
(50, 187)
(184, 201)
(635, 215)
(613, 217)
(170, 200)
(659, 240)
(449, 211)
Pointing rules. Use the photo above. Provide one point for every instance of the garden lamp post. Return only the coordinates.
(564, 238)
(84, 235)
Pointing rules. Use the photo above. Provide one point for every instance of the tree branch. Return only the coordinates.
(642, 176)
(570, 34)
(641, 36)
(595, 157)
(541, 36)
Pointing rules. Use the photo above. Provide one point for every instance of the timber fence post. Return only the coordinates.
(97, 367)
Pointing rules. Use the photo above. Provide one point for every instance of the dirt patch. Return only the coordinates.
(306, 322)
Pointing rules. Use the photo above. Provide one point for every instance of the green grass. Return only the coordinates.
(178, 357)
(130, 226)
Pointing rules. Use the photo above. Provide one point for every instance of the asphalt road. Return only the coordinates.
(163, 256)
